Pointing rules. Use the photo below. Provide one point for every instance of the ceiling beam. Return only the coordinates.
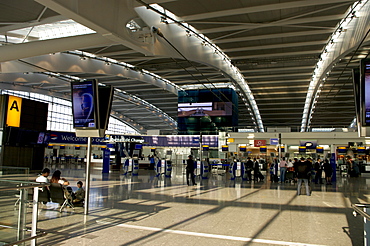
(283, 54)
(276, 46)
(234, 26)
(260, 8)
(274, 36)
(278, 75)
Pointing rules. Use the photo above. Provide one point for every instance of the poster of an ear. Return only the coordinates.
(83, 104)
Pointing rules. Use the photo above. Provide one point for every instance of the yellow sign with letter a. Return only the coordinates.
(14, 111)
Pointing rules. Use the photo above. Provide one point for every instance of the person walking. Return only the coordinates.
(190, 170)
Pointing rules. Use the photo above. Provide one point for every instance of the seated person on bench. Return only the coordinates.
(43, 178)
(57, 179)
(79, 195)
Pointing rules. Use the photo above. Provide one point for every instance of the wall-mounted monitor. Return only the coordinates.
(365, 92)
(105, 105)
(356, 79)
(85, 104)
(207, 111)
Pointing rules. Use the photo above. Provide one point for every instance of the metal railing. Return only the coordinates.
(358, 210)
(363, 209)
(15, 223)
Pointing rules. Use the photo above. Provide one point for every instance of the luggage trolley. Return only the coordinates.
(236, 170)
(127, 163)
(343, 170)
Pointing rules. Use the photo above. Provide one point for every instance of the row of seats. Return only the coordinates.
(56, 193)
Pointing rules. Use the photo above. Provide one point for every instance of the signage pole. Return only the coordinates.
(200, 147)
(279, 147)
(87, 182)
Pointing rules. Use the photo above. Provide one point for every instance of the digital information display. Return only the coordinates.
(205, 109)
(366, 92)
(83, 104)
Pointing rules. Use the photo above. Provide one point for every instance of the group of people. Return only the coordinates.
(255, 167)
(323, 170)
(249, 167)
(76, 197)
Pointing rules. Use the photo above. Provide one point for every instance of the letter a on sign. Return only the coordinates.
(14, 111)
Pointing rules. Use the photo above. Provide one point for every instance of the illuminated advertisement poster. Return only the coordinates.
(83, 104)
(366, 95)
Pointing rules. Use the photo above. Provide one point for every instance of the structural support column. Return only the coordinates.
(87, 182)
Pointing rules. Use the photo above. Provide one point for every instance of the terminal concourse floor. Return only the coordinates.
(146, 210)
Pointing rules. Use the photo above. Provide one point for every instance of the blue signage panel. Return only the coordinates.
(106, 160)
(70, 137)
(309, 144)
(170, 141)
(274, 141)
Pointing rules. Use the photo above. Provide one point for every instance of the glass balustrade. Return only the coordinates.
(18, 217)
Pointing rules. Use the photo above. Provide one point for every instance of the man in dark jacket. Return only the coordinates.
(190, 170)
(303, 171)
(256, 170)
(318, 169)
(249, 168)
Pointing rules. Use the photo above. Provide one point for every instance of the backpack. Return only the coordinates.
(302, 169)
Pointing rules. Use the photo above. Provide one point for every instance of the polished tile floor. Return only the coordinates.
(146, 210)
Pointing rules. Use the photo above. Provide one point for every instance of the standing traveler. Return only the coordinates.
(256, 171)
(190, 170)
(303, 171)
(328, 171)
(249, 168)
(283, 165)
(318, 170)
(274, 170)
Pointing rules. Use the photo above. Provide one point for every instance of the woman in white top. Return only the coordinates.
(290, 163)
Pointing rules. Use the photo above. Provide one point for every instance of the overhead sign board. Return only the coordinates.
(274, 141)
(13, 117)
(259, 143)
